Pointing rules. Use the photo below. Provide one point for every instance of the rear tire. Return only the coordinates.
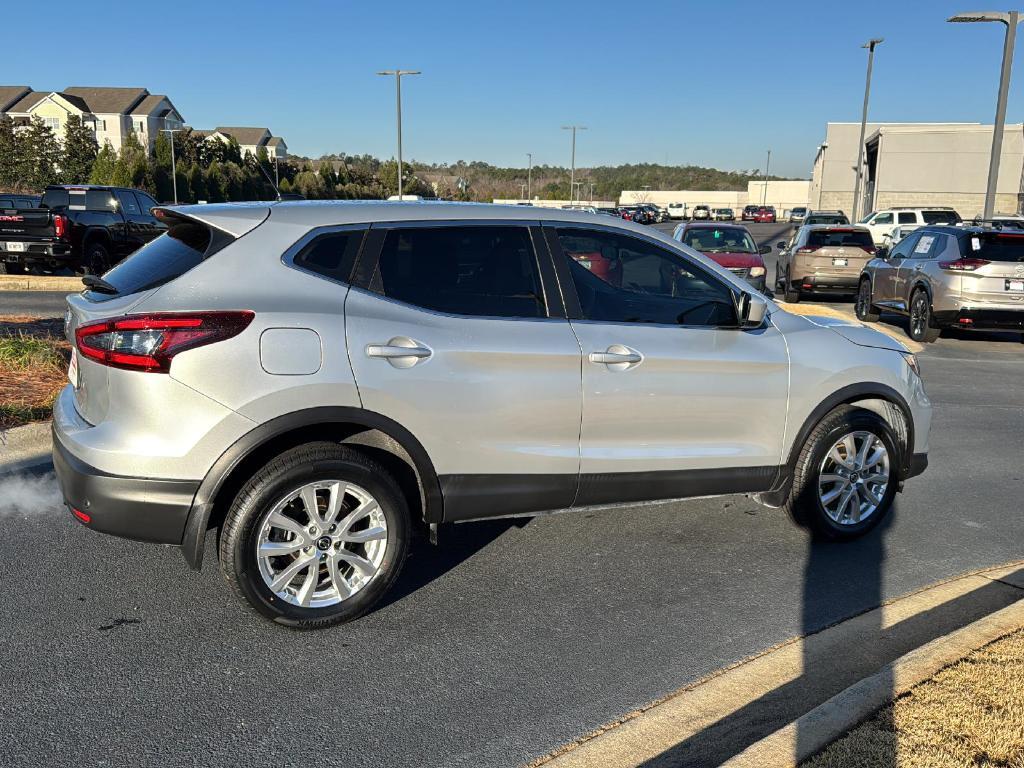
(919, 324)
(97, 258)
(327, 569)
(789, 293)
(866, 311)
(809, 503)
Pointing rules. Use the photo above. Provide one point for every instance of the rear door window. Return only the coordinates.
(928, 246)
(129, 205)
(485, 271)
(907, 217)
(92, 200)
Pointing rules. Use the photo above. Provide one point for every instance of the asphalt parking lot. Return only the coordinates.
(506, 642)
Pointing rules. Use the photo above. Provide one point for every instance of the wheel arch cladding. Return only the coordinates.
(385, 440)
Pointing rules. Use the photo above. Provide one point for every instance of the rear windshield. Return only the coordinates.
(824, 238)
(993, 247)
(184, 245)
(79, 199)
(827, 218)
(940, 217)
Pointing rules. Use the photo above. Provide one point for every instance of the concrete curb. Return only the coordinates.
(808, 735)
(25, 447)
(40, 283)
(663, 733)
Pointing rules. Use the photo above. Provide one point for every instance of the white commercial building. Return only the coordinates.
(918, 164)
(783, 195)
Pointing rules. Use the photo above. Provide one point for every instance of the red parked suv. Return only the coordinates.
(765, 215)
(729, 245)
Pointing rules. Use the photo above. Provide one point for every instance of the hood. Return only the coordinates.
(736, 260)
(859, 334)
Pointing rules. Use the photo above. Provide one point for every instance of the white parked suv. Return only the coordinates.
(882, 223)
(677, 210)
(318, 379)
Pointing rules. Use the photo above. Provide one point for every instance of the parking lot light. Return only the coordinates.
(1010, 19)
(861, 159)
(529, 175)
(572, 171)
(398, 97)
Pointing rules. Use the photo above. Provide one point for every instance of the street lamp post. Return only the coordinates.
(529, 176)
(572, 171)
(870, 45)
(1010, 19)
(398, 101)
(764, 190)
(174, 172)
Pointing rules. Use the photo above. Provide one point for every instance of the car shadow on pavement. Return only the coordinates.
(840, 581)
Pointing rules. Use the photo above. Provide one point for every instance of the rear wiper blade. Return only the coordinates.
(98, 284)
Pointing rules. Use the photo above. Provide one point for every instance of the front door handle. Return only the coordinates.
(401, 351)
(617, 357)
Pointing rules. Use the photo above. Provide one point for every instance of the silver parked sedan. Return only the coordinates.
(317, 379)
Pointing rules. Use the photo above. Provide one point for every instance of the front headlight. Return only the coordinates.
(912, 362)
(756, 271)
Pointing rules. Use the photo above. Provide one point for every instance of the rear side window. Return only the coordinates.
(940, 217)
(331, 254)
(487, 271)
(825, 238)
(129, 205)
(184, 245)
(908, 217)
(993, 247)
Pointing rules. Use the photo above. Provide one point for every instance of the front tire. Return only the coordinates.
(919, 326)
(846, 475)
(866, 311)
(317, 537)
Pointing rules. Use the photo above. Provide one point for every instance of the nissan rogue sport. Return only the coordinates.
(316, 381)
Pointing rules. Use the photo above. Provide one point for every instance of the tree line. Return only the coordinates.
(31, 157)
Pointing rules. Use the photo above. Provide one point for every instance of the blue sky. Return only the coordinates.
(710, 83)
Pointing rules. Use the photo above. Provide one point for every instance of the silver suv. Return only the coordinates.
(318, 380)
(948, 276)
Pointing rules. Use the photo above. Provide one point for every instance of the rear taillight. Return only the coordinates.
(808, 249)
(963, 265)
(149, 342)
(60, 225)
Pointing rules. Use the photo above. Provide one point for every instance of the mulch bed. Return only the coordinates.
(27, 394)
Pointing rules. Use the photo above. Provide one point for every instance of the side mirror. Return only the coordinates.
(882, 252)
(764, 250)
(781, 245)
(751, 310)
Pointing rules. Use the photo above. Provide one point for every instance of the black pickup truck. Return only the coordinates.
(77, 227)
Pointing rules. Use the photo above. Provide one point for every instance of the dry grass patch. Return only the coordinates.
(970, 714)
(33, 366)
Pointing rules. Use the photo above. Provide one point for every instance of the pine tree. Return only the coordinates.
(8, 157)
(80, 150)
(103, 167)
(196, 183)
(38, 155)
(162, 151)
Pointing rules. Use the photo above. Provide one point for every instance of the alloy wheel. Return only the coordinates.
(918, 316)
(853, 477)
(321, 543)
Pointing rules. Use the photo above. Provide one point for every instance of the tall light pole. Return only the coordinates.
(529, 176)
(1011, 19)
(572, 172)
(767, 166)
(398, 101)
(174, 172)
(870, 45)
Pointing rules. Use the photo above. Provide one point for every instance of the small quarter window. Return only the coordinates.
(331, 254)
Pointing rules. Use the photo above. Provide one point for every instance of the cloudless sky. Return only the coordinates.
(709, 83)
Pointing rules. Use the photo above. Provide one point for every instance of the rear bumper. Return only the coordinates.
(1008, 319)
(845, 283)
(139, 508)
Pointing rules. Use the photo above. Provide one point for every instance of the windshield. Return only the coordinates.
(827, 218)
(719, 240)
(825, 238)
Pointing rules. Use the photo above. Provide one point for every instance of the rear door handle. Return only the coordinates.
(401, 351)
(617, 357)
